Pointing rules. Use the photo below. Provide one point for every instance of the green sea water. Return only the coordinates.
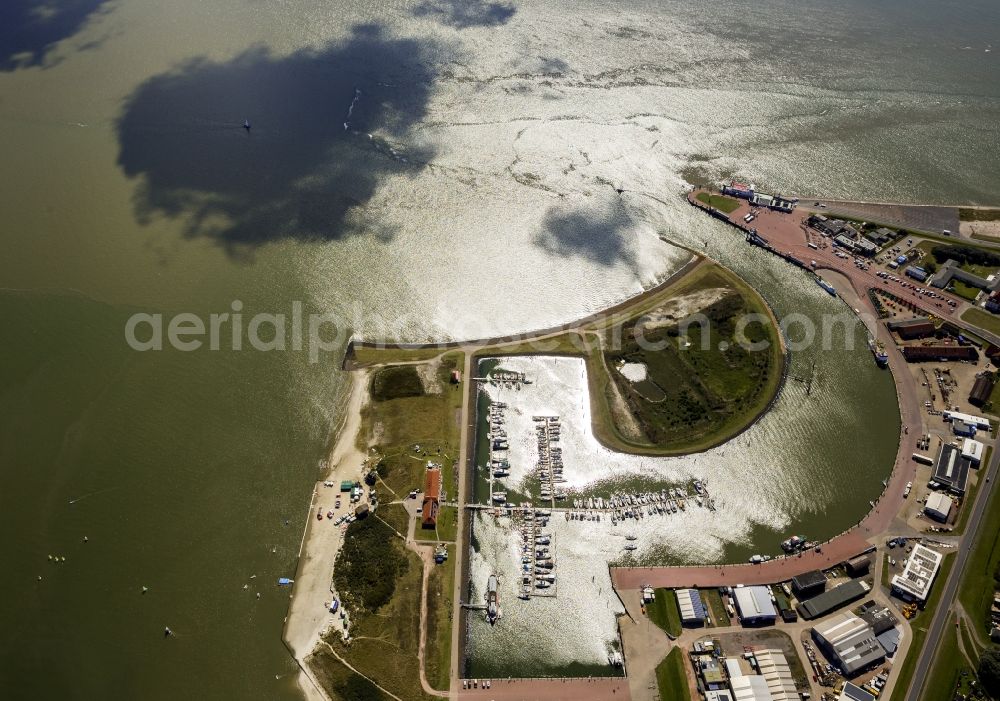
(472, 192)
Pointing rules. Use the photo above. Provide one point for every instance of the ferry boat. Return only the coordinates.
(492, 600)
(878, 350)
(831, 290)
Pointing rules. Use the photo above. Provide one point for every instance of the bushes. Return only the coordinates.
(396, 382)
(369, 564)
(965, 255)
(989, 671)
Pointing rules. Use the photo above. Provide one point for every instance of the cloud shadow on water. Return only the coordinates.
(29, 29)
(463, 14)
(298, 173)
(597, 234)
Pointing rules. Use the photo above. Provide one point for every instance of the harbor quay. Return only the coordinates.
(565, 689)
(782, 569)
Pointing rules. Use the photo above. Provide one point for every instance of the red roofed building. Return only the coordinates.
(432, 498)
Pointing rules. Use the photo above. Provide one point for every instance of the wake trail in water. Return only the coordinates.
(350, 108)
(92, 494)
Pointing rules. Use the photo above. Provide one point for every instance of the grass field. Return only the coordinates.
(975, 214)
(919, 626)
(975, 591)
(447, 527)
(384, 646)
(341, 683)
(663, 612)
(396, 382)
(720, 202)
(671, 679)
(965, 291)
(720, 617)
(440, 597)
(982, 319)
(708, 385)
(946, 671)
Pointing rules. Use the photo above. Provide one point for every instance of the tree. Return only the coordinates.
(989, 671)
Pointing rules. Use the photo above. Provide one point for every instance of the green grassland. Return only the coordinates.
(446, 530)
(340, 682)
(976, 214)
(663, 612)
(982, 571)
(671, 679)
(919, 627)
(708, 385)
(947, 670)
(982, 319)
(396, 382)
(440, 610)
(720, 617)
(720, 202)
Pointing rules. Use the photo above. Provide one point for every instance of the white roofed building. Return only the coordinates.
(690, 605)
(973, 450)
(752, 687)
(977, 421)
(754, 605)
(774, 668)
(938, 506)
(917, 577)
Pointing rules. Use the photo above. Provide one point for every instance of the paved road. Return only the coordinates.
(951, 586)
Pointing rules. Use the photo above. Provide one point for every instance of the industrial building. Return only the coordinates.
(938, 506)
(432, 498)
(939, 352)
(916, 272)
(773, 666)
(980, 422)
(751, 687)
(880, 618)
(981, 389)
(973, 450)
(754, 605)
(951, 470)
(809, 584)
(917, 577)
(833, 599)
(909, 329)
(858, 565)
(691, 607)
(849, 642)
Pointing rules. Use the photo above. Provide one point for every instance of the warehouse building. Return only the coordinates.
(940, 352)
(981, 390)
(833, 599)
(951, 470)
(917, 577)
(849, 643)
(754, 605)
(980, 422)
(909, 329)
(751, 687)
(691, 607)
(809, 584)
(859, 565)
(973, 450)
(773, 666)
(938, 506)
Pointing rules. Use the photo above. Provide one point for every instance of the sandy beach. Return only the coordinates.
(308, 613)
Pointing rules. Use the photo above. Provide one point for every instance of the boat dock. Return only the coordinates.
(538, 555)
(550, 464)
